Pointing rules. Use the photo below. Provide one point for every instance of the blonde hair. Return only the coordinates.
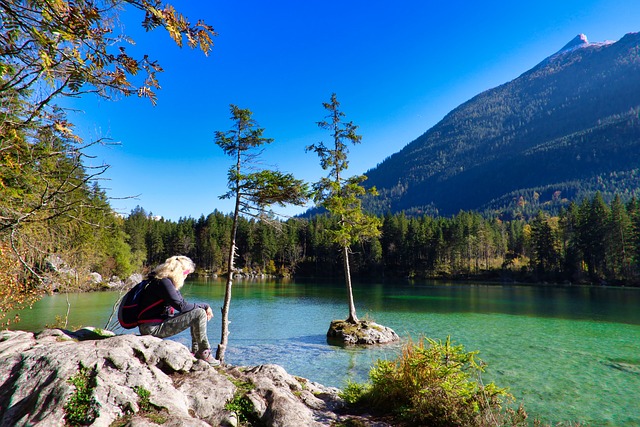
(174, 268)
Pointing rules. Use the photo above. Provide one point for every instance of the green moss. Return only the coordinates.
(350, 422)
(143, 398)
(81, 407)
(242, 405)
(148, 410)
(354, 329)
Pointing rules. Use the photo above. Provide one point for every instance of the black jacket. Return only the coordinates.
(161, 300)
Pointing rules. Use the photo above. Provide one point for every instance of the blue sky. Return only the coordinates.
(396, 67)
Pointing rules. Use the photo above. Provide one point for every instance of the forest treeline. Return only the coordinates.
(589, 242)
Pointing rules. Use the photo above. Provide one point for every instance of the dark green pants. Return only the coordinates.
(195, 319)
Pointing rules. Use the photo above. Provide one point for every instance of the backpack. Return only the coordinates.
(129, 309)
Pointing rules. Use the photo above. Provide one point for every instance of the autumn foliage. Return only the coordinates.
(16, 292)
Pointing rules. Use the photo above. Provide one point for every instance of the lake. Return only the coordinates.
(569, 352)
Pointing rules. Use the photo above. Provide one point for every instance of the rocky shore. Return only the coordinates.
(134, 380)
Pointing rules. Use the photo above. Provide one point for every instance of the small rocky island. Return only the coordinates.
(361, 332)
(57, 376)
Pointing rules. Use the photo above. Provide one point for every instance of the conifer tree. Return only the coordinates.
(619, 242)
(341, 195)
(253, 192)
(544, 256)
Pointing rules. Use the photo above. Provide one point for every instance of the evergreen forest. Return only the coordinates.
(589, 242)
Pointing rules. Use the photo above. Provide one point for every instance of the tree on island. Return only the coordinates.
(254, 191)
(339, 195)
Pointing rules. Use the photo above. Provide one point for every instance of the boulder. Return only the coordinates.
(364, 332)
(134, 279)
(37, 370)
(95, 278)
(56, 264)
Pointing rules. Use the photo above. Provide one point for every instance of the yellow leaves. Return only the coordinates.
(178, 27)
(119, 81)
(203, 34)
(15, 292)
(45, 60)
(128, 63)
(554, 223)
(65, 128)
(151, 81)
(59, 7)
(91, 13)
(146, 92)
(175, 25)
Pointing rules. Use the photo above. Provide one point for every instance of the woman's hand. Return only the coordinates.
(209, 313)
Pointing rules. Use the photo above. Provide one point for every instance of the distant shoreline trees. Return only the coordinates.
(589, 242)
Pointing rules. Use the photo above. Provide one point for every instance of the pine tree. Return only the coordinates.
(543, 241)
(342, 196)
(253, 192)
(619, 242)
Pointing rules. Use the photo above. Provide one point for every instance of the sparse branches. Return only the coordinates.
(340, 195)
(254, 191)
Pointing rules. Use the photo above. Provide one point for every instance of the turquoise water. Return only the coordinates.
(568, 353)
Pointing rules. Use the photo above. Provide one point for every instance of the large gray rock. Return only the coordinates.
(364, 332)
(288, 401)
(35, 370)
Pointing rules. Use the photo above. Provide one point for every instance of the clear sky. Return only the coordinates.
(397, 68)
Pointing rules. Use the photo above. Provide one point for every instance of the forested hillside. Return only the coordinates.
(561, 131)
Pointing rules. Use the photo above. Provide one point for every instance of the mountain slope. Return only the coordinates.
(570, 122)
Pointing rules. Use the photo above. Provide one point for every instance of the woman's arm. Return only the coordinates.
(174, 298)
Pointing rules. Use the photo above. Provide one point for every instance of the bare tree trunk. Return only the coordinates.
(224, 335)
(353, 318)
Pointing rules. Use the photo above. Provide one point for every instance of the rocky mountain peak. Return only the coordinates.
(577, 42)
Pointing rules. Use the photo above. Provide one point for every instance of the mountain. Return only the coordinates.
(566, 128)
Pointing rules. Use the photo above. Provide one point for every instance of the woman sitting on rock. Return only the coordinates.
(166, 313)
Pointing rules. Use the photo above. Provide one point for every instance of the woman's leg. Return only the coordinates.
(195, 319)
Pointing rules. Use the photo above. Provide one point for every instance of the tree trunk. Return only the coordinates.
(224, 335)
(353, 318)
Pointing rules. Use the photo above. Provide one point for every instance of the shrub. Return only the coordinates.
(435, 383)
